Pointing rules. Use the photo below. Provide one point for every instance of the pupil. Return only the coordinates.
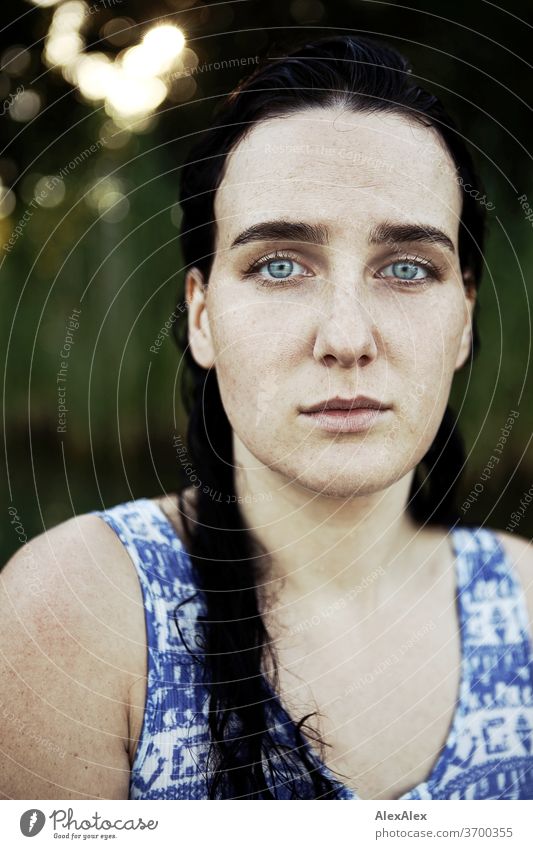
(280, 267)
(406, 270)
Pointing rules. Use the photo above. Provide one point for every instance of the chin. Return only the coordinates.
(339, 483)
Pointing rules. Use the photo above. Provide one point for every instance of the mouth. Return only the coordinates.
(360, 402)
(345, 415)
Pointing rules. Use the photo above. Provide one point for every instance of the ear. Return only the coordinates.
(200, 339)
(465, 345)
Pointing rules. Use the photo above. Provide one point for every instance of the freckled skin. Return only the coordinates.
(342, 328)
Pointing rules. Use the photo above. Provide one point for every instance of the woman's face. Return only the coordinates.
(362, 295)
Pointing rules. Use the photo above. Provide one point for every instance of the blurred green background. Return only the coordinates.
(97, 114)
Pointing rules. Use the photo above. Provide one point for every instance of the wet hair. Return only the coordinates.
(245, 759)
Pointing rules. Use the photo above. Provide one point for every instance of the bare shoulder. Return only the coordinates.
(519, 551)
(72, 644)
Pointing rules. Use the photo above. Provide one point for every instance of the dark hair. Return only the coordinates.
(362, 75)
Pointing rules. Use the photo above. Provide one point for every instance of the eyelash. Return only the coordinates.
(435, 272)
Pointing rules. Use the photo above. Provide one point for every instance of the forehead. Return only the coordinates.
(351, 168)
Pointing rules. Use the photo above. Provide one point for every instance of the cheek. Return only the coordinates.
(258, 333)
(420, 350)
(253, 354)
(442, 331)
(425, 333)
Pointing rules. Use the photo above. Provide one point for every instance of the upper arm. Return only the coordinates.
(64, 668)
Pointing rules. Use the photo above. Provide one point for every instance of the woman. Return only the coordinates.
(310, 619)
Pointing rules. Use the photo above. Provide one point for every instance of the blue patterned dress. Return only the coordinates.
(488, 752)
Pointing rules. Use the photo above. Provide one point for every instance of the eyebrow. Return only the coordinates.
(318, 234)
(388, 231)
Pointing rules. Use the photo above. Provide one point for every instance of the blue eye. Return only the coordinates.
(409, 270)
(280, 268)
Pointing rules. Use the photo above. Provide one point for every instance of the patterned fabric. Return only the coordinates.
(488, 753)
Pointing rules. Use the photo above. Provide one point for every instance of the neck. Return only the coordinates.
(324, 545)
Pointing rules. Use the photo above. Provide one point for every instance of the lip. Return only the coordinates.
(338, 403)
(346, 415)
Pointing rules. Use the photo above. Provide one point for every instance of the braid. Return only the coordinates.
(227, 568)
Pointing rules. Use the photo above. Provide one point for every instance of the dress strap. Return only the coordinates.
(490, 592)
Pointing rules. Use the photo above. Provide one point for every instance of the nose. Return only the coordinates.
(346, 332)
